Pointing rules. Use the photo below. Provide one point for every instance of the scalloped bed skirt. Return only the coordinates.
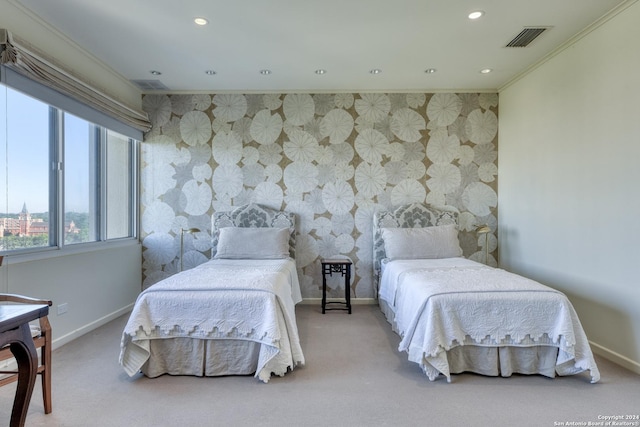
(491, 361)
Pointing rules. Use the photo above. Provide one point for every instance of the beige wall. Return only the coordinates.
(95, 285)
(569, 197)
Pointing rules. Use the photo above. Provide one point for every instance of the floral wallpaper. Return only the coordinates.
(333, 159)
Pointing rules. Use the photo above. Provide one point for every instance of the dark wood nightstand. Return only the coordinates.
(342, 266)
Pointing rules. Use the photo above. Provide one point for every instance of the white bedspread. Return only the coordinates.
(221, 299)
(456, 302)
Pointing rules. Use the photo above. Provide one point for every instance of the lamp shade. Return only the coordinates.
(483, 229)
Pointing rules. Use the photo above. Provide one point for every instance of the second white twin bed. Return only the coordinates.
(456, 315)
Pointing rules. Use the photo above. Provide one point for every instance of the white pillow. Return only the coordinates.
(252, 243)
(422, 243)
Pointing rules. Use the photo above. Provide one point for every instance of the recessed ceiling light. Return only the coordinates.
(476, 14)
(376, 71)
(155, 72)
(265, 72)
(200, 21)
(210, 72)
(430, 70)
(486, 70)
(320, 71)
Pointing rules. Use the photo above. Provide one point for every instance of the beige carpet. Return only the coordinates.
(354, 376)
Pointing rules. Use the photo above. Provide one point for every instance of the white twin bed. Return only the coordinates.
(455, 315)
(233, 315)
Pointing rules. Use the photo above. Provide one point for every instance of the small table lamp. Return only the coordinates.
(182, 231)
(485, 229)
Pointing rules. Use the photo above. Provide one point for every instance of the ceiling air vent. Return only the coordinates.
(526, 36)
(149, 85)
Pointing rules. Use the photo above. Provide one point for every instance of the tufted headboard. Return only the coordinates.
(254, 215)
(415, 215)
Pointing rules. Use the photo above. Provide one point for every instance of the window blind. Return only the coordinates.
(19, 56)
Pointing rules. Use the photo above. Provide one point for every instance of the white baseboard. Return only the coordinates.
(60, 341)
(616, 358)
(354, 301)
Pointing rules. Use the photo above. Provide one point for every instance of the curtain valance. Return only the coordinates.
(23, 58)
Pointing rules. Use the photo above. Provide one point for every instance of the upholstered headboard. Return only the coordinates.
(415, 215)
(254, 215)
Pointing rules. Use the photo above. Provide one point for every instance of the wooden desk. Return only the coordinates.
(14, 330)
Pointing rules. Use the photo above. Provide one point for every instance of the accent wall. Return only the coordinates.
(332, 159)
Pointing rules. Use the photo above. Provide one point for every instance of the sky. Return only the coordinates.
(24, 156)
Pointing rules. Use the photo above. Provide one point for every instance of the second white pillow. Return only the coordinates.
(421, 243)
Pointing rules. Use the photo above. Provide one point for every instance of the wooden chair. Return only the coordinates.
(42, 341)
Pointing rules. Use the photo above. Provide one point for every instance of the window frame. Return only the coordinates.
(60, 104)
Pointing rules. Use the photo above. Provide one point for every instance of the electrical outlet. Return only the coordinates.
(62, 308)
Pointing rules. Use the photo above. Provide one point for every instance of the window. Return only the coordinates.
(119, 186)
(79, 167)
(24, 141)
(64, 180)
